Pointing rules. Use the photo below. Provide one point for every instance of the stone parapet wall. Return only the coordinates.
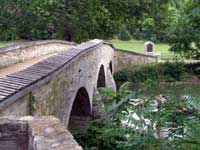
(124, 59)
(35, 133)
(25, 51)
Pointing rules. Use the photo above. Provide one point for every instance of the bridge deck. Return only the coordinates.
(21, 66)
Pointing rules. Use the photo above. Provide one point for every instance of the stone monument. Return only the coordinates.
(149, 47)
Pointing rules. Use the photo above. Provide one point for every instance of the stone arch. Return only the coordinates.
(81, 105)
(101, 81)
(81, 110)
(111, 67)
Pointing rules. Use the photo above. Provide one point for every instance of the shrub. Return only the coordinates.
(167, 72)
(193, 68)
(8, 34)
(120, 130)
(175, 71)
(124, 34)
(121, 75)
(197, 71)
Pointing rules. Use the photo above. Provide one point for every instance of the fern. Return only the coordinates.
(133, 123)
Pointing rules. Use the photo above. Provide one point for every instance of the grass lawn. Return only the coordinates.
(8, 43)
(138, 46)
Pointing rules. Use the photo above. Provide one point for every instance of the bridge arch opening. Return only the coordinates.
(81, 111)
(111, 67)
(101, 81)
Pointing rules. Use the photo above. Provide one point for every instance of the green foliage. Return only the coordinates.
(193, 68)
(184, 38)
(180, 115)
(32, 104)
(121, 97)
(121, 76)
(39, 18)
(85, 19)
(152, 20)
(29, 19)
(162, 72)
(124, 34)
(71, 20)
(92, 19)
(197, 71)
(7, 26)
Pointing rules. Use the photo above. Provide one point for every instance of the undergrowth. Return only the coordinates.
(136, 123)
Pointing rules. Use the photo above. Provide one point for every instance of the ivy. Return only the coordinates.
(32, 104)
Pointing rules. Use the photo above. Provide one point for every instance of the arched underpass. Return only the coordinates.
(111, 67)
(81, 111)
(101, 82)
(98, 105)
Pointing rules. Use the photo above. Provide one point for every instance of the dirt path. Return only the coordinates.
(21, 66)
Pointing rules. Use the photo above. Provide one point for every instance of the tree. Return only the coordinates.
(7, 24)
(38, 18)
(29, 19)
(185, 37)
(80, 20)
(151, 19)
(92, 19)
(124, 35)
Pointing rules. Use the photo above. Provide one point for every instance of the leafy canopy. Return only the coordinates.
(185, 37)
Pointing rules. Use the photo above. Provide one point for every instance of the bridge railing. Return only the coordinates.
(31, 44)
(29, 50)
(135, 53)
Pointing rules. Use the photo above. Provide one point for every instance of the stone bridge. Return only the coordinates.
(63, 85)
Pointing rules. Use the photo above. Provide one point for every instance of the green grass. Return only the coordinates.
(8, 43)
(138, 46)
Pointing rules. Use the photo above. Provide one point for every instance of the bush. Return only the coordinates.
(121, 76)
(167, 72)
(193, 68)
(37, 34)
(8, 34)
(120, 130)
(124, 34)
(197, 71)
